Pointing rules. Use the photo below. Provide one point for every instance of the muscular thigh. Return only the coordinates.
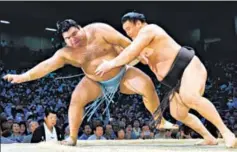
(86, 91)
(177, 108)
(135, 82)
(194, 78)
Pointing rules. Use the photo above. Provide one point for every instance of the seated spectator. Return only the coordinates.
(122, 124)
(15, 105)
(5, 140)
(115, 126)
(98, 133)
(86, 132)
(32, 127)
(109, 133)
(16, 136)
(232, 122)
(129, 133)
(232, 104)
(5, 125)
(10, 120)
(184, 133)
(96, 122)
(146, 133)
(23, 129)
(48, 131)
(136, 128)
(120, 134)
(124, 119)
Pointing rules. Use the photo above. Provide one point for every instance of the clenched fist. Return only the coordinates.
(15, 78)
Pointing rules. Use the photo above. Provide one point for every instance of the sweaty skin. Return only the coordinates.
(87, 48)
(153, 46)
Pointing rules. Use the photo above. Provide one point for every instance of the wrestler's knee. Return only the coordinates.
(190, 99)
(77, 100)
(179, 114)
(143, 86)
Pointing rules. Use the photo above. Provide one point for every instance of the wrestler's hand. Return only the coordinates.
(15, 78)
(104, 67)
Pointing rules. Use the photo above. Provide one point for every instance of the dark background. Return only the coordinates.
(214, 19)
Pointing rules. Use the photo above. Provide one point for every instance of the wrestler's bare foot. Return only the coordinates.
(167, 125)
(69, 142)
(207, 142)
(230, 140)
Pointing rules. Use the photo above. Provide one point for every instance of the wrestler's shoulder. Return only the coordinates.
(63, 51)
(150, 27)
(153, 29)
(97, 25)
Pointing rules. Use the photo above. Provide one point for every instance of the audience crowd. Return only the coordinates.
(29, 110)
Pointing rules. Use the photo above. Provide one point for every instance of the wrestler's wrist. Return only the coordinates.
(26, 76)
(113, 64)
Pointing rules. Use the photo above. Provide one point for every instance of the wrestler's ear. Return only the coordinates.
(138, 23)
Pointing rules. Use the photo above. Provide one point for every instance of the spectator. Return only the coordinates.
(5, 125)
(184, 132)
(146, 133)
(23, 129)
(129, 133)
(16, 136)
(109, 133)
(121, 134)
(32, 127)
(168, 134)
(115, 126)
(48, 131)
(5, 140)
(10, 120)
(26, 102)
(86, 132)
(98, 133)
(136, 128)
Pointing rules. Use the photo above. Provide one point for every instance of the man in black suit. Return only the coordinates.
(48, 131)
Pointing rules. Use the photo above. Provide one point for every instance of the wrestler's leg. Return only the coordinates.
(137, 82)
(81, 96)
(191, 91)
(181, 113)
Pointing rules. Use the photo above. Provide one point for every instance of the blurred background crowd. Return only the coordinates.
(26, 108)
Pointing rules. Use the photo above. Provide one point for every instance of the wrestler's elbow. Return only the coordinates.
(44, 68)
(53, 65)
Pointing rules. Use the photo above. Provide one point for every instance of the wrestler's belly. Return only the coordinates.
(161, 69)
(162, 59)
(90, 67)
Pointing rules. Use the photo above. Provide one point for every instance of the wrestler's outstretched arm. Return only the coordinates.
(40, 70)
(144, 37)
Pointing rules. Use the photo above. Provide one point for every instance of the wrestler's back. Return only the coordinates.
(88, 58)
(164, 50)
